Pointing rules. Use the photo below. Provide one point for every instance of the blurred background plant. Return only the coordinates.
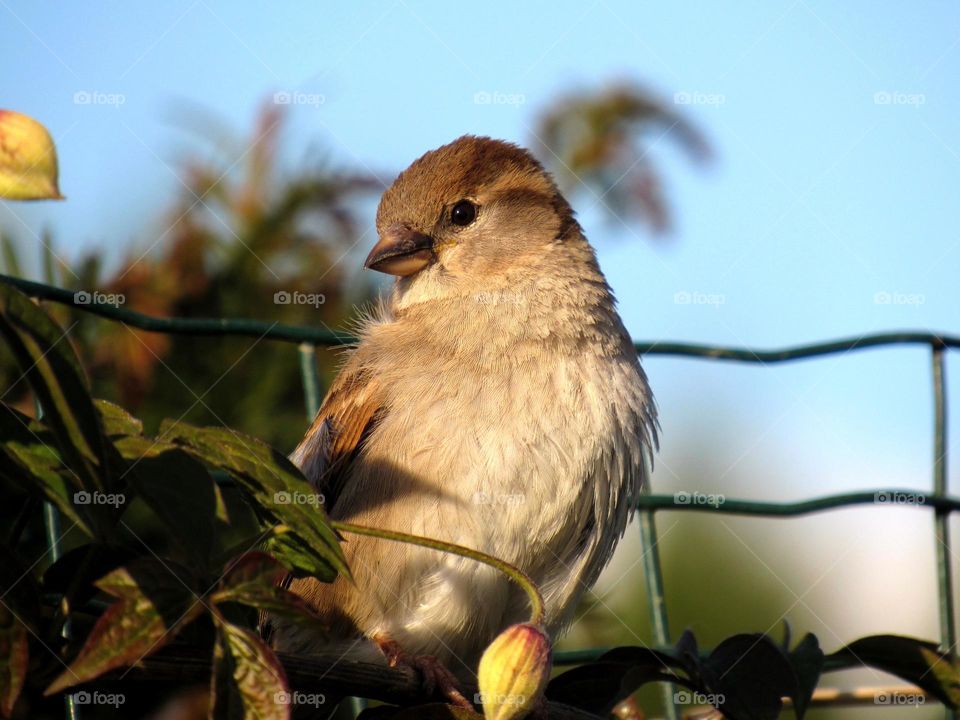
(836, 191)
(242, 235)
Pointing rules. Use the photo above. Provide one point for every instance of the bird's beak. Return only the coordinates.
(401, 251)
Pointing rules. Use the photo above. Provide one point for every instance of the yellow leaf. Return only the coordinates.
(28, 159)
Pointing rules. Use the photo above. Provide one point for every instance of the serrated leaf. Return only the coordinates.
(906, 657)
(177, 488)
(28, 159)
(93, 560)
(45, 357)
(296, 555)
(253, 579)
(18, 614)
(269, 477)
(117, 422)
(28, 459)
(154, 604)
(248, 680)
(14, 658)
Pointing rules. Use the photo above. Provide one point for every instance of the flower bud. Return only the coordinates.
(28, 159)
(514, 671)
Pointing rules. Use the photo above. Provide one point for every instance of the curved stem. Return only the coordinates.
(515, 574)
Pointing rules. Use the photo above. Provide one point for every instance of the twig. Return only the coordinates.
(328, 674)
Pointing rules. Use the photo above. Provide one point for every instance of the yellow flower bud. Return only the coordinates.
(28, 159)
(514, 671)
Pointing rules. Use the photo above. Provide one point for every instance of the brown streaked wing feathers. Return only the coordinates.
(348, 414)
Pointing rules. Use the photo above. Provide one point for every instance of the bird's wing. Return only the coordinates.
(348, 413)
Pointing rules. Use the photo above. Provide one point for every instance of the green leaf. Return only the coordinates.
(749, 676)
(807, 661)
(599, 686)
(28, 459)
(46, 358)
(177, 488)
(312, 546)
(78, 569)
(430, 711)
(688, 654)
(11, 262)
(14, 658)
(253, 580)
(18, 613)
(295, 553)
(248, 679)
(154, 604)
(916, 661)
(947, 673)
(117, 422)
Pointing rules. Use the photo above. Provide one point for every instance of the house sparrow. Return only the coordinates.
(494, 401)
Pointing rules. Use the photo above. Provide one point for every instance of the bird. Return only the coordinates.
(493, 399)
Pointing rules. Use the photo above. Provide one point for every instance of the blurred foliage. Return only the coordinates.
(245, 228)
(241, 232)
(602, 142)
(91, 460)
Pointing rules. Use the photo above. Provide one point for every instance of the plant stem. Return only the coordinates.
(515, 574)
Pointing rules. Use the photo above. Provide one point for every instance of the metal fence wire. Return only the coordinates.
(308, 339)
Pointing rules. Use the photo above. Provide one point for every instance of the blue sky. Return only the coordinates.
(834, 185)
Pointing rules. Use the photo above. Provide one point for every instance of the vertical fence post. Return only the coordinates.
(310, 378)
(948, 627)
(655, 593)
(52, 533)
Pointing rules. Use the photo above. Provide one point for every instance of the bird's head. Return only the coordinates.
(470, 210)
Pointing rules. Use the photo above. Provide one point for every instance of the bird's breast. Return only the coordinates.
(502, 457)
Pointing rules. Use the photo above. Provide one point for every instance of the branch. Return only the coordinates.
(329, 674)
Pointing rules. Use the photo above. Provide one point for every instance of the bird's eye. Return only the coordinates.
(463, 213)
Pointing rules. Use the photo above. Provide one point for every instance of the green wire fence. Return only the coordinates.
(308, 339)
